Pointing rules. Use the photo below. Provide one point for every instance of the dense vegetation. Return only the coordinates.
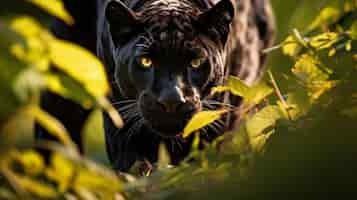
(301, 143)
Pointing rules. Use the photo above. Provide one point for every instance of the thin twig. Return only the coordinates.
(278, 93)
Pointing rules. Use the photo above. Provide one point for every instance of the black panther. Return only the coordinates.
(162, 58)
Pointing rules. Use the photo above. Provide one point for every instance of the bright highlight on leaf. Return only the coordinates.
(290, 46)
(81, 65)
(53, 126)
(328, 15)
(201, 120)
(56, 8)
(262, 120)
(164, 157)
(251, 95)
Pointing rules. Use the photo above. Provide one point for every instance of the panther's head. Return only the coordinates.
(168, 54)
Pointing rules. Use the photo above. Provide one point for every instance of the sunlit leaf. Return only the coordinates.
(81, 65)
(37, 188)
(308, 68)
(35, 49)
(164, 157)
(259, 141)
(262, 120)
(327, 16)
(112, 112)
(251, 95)
(321, 88)
(353, 30)
(52, 125)
(61, 171)
(324, 40)
(332, 52)
(201, 120)
(219, 89)
(69, 89)
(56, 8)
(32, 162)
(27, 26)
(237, 86)
(290, 47)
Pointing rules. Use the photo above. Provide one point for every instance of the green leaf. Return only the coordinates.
(56, 8)
(353, 30)
(32, 162)
(61, 172)
(201, 120)
(308, 68)
(219, 89)
(164, 157)
(68, 88)
(290, 46)
(237, 86)
(112, 112)
(52, 125)
(262, 120)
(37, 188)
(327, 16)
(324, 40)
(251, 95)
(81, 65)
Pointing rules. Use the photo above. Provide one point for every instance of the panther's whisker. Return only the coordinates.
(124, 101)
(133, 130)
(217, 103)
(211, 102)
(178, 143)
(127, 107)
(209, 107)
(129, 116)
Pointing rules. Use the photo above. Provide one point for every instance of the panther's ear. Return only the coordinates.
(216, 21)
(122, 21)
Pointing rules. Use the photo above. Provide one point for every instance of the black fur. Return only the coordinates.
(156, 103)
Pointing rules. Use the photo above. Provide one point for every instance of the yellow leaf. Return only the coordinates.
(219, 89)
(201, 120)
(26, 26)
(56, 8)
(37, 188)
(332, 52)
(291, 46)
(52, 125)
(69, 89)
(327, 16)
(251, 95)
(164, 157)
(32, 162)
(61, 172)
(81, 65)
(237, 86)
(322, 88)
(348, 46)
(262, 120)
(112, 112)
(353, 30)
(324, 40)
(35, 49)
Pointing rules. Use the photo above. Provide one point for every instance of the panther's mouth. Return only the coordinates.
(165, 125)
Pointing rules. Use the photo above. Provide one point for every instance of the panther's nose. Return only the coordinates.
(171, 100)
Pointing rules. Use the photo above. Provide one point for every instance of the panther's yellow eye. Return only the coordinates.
(145, 62)
(196, 63)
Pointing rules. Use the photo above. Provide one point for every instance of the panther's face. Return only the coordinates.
(167, 57)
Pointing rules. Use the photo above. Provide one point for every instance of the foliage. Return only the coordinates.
(299, 143)
(33, 60)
